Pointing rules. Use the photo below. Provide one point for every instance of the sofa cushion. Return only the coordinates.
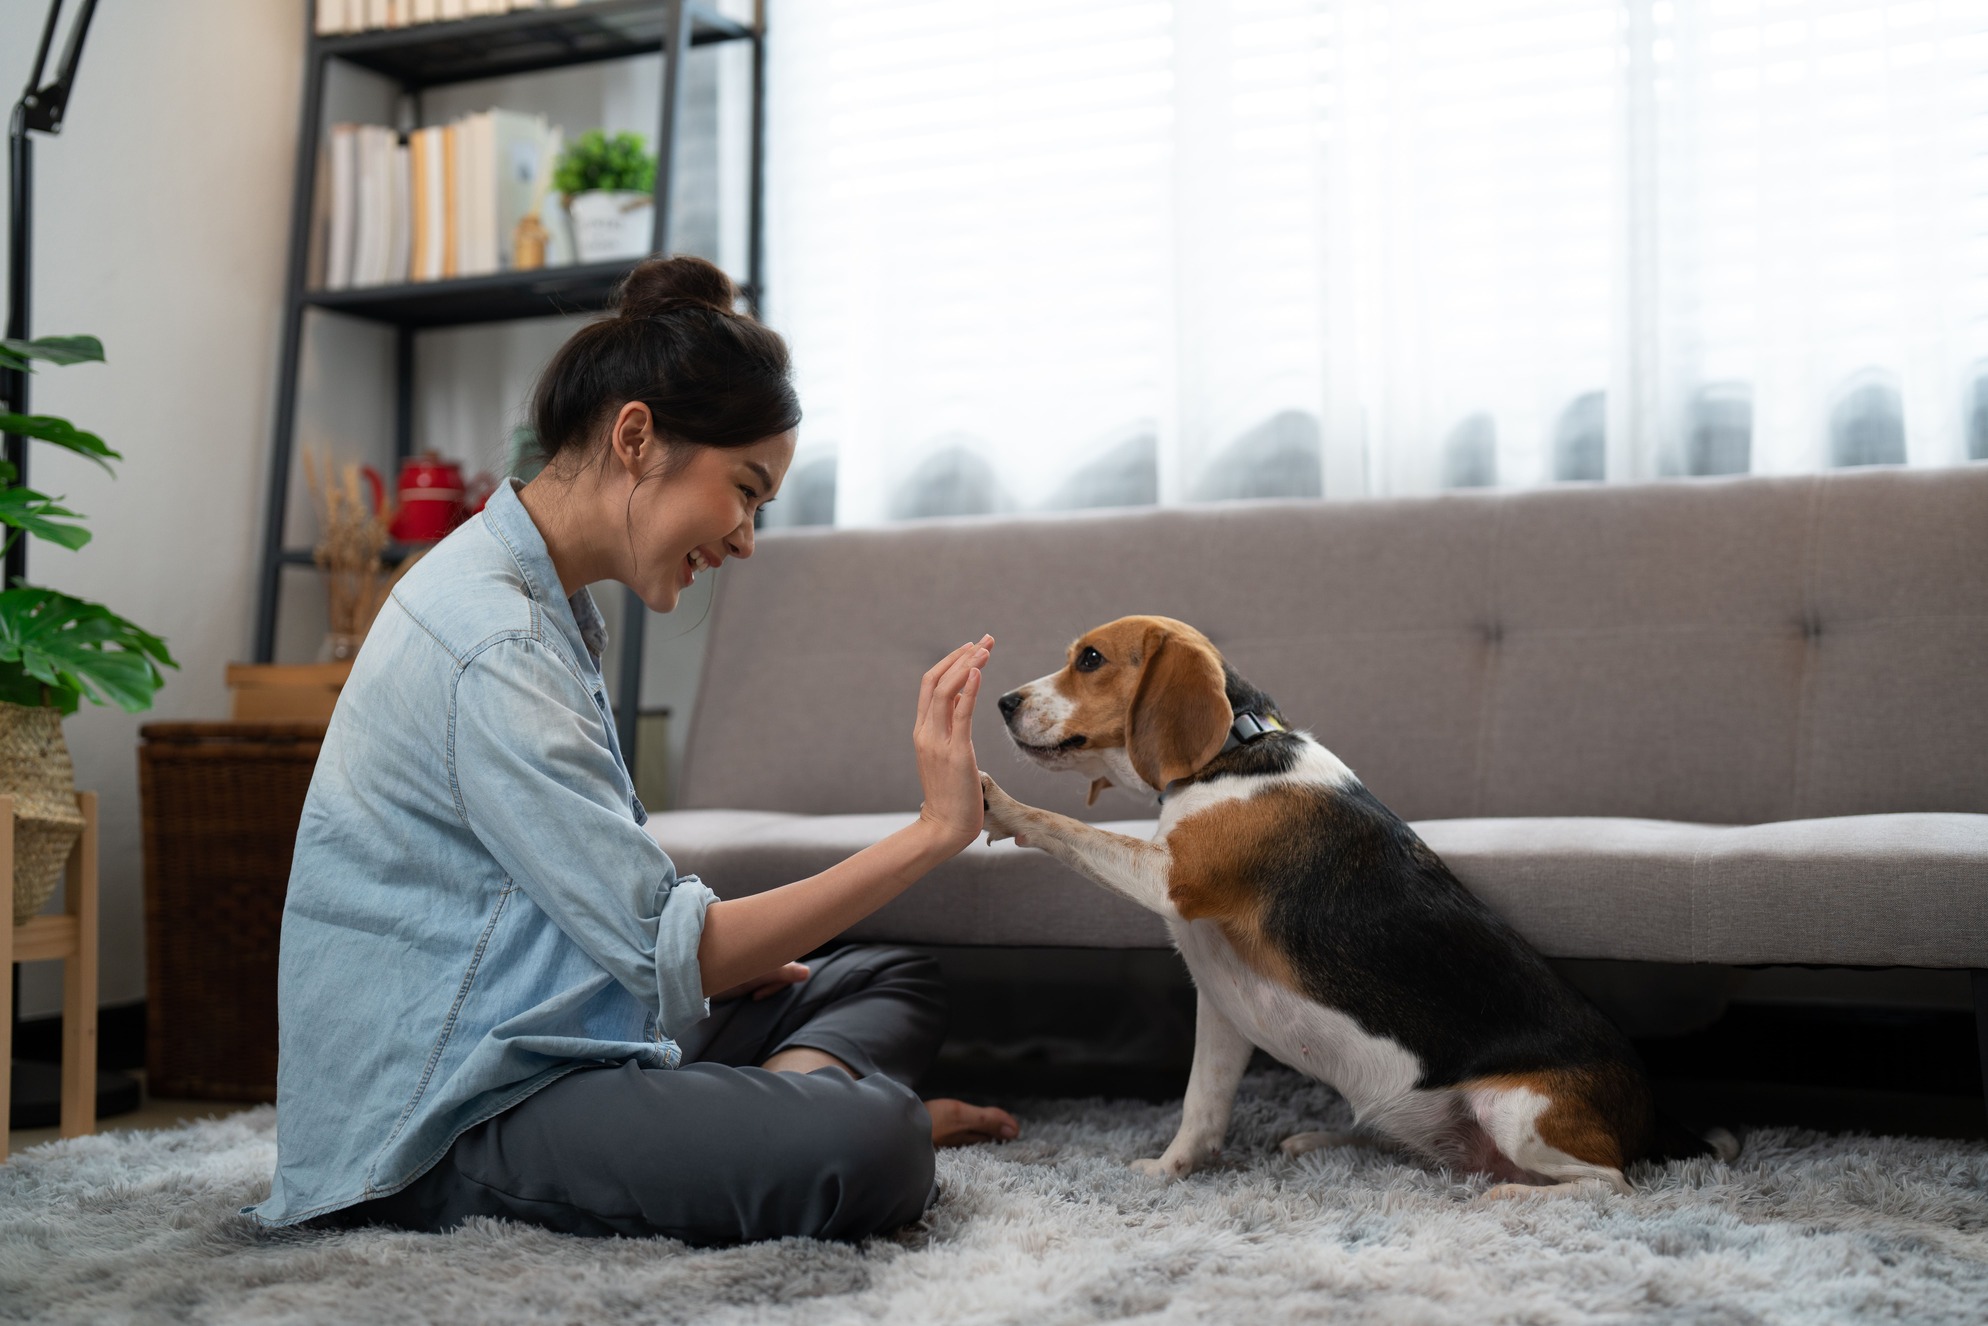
(1863, 890)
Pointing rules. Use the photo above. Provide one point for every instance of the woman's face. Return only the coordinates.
(700, 513)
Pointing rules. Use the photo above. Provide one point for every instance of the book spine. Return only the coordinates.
(400, 254)
(437, 186)
(344, 206)
(417, 205)
(483, 201)
(452, 199)
(364, 218)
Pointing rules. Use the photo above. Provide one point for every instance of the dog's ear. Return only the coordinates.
(1097, 785)
(1180, 711)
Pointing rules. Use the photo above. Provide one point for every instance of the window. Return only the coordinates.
(1042, 255)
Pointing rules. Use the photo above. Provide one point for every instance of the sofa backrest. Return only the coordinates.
(1723, 651)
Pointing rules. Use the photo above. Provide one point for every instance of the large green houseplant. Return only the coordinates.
(55, 650)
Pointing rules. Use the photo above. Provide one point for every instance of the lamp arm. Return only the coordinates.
(42, 107)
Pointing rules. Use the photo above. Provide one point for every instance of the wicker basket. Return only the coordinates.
(221, 806)
(35, 767)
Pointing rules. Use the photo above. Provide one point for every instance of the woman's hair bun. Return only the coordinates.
(710, 375)
(661, 285)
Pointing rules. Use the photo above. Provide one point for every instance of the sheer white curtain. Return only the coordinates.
(1099, 252)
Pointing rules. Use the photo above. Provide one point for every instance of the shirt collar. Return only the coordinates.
(581, 624)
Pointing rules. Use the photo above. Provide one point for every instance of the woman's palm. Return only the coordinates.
(943, 738)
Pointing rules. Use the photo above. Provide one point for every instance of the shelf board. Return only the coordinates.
(394, 555)
(499, 297)
(492, 46)
(544, 292)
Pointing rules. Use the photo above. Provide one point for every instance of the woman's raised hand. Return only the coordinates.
(943, 736)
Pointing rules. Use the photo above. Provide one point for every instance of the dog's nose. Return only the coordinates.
(1009, 703)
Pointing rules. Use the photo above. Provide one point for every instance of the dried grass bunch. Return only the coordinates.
(352, 535)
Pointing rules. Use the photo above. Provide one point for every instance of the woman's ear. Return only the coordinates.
(632, 439)
(1180, 711)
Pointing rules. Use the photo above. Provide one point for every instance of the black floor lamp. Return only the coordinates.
(37, 1086)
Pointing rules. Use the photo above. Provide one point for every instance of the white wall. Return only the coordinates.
(162, 218)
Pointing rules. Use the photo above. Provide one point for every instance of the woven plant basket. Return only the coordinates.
(35, 769)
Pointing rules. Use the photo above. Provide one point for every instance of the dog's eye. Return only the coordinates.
(1090, 660)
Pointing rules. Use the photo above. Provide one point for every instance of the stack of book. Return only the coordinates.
(336, 16)
(440, 202)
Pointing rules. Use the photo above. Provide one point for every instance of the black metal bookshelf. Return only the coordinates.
(432, 55)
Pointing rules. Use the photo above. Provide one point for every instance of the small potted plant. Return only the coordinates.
(55, 650)
(609, 185)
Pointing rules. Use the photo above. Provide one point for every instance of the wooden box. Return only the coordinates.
(286, 692)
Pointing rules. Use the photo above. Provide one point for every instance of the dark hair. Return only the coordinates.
(710, 375)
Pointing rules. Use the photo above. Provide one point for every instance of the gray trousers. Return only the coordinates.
(718, 1150)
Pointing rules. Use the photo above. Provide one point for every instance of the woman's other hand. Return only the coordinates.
(943, 736)
(771, 983)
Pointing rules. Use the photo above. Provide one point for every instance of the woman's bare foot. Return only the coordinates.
(956, 1123)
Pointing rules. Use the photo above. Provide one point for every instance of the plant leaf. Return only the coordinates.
(55, 349)
(76, 648)
(25, 509)
(61, 432)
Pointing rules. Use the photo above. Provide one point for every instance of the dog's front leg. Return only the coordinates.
(1220, 1055)
(1131, 866)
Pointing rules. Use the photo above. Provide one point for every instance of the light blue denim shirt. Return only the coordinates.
(474, 906)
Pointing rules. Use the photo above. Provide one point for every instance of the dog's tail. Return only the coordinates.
(1676, 1142)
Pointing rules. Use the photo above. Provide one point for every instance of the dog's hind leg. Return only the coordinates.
(1220, 1055)
(1547, 1128)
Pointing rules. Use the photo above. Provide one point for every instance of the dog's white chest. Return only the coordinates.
(1372, 1072)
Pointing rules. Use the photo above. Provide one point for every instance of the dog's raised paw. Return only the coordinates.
(997, 807)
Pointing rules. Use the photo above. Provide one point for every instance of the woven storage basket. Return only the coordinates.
(35, 767)
(221, 806)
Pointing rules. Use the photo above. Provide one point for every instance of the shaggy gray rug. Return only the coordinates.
(1050, 1229)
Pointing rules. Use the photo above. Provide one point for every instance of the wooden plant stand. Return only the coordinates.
(70, 935)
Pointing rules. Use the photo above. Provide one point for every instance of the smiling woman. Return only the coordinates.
(684, 396)
(496, 995)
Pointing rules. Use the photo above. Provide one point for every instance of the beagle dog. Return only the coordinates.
(1320, 928)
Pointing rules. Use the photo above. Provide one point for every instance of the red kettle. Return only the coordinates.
(433, 499)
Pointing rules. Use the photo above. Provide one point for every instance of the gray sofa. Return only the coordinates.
(1734, 722)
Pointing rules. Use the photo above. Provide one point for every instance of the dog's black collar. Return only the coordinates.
(1248, 726)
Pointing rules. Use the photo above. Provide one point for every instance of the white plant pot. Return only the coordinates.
(611, 223)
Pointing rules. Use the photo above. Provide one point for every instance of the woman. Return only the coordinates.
(496, 995)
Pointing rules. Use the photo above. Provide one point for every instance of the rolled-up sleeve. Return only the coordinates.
(536, 781)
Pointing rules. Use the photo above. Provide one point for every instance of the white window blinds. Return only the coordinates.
(1046, 255)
